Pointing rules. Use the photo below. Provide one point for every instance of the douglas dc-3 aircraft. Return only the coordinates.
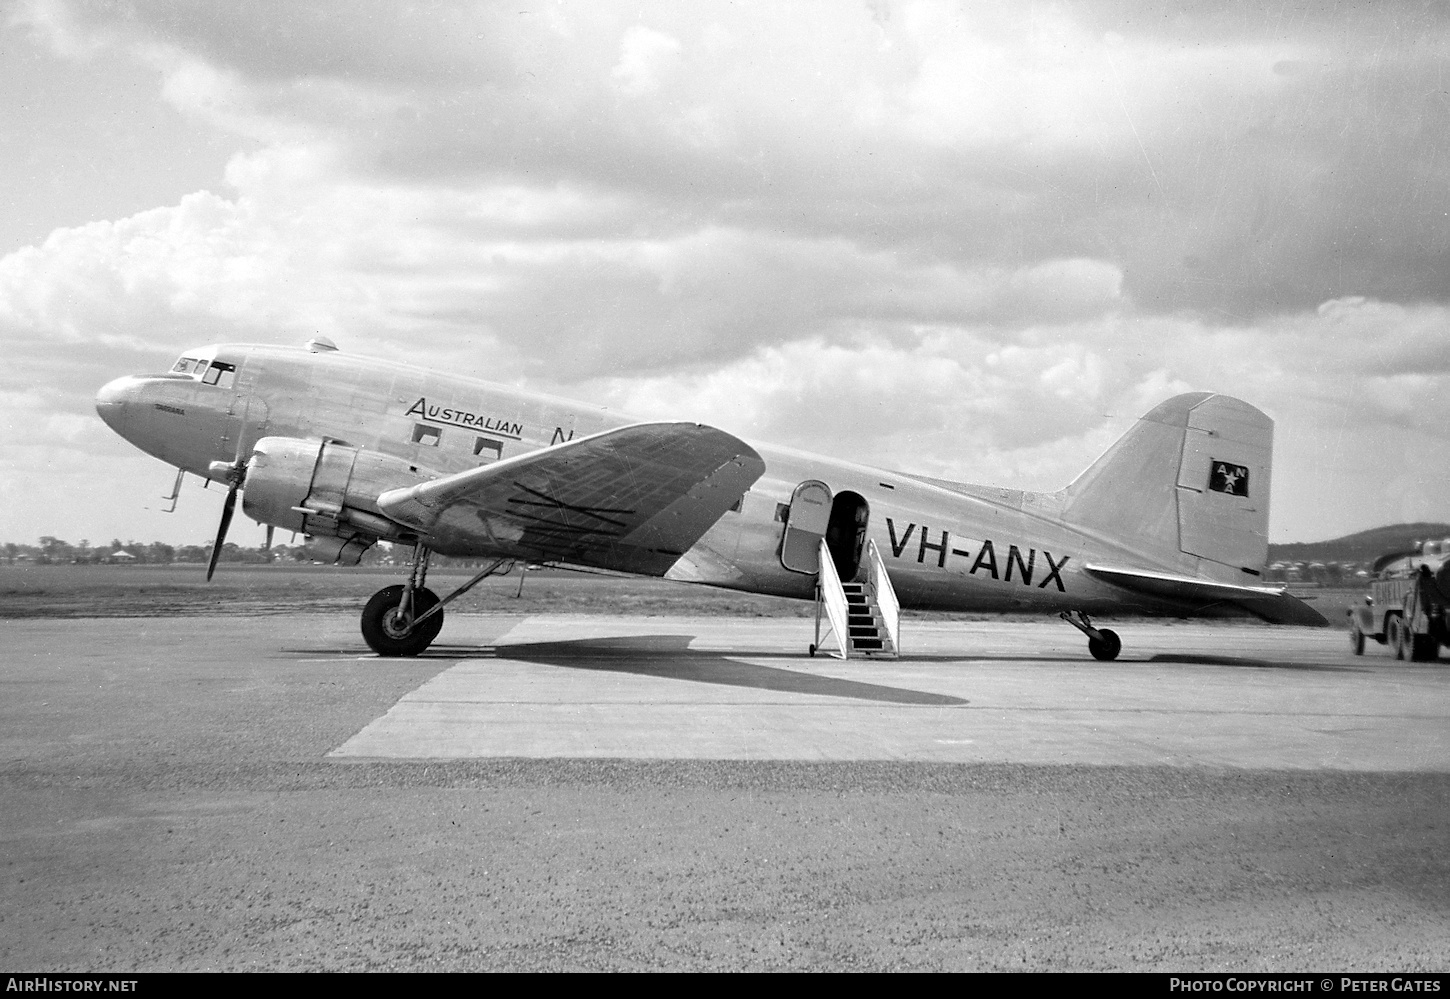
(1172, 519)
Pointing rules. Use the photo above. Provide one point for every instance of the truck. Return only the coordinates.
(1408, 606)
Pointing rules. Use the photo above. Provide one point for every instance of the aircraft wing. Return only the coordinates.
(1270, 603)
(633, 499)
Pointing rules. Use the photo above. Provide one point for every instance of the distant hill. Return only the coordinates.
(1362, 547)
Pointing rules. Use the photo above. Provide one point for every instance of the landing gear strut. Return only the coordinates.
(1102, 643)
(404, 620)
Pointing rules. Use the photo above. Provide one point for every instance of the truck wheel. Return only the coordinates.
(1424, 648)
(1356, 639)
(1395, 636)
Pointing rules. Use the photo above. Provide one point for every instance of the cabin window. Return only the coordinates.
(488, 447)
(426, 435)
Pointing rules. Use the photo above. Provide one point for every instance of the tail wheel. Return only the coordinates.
(388, 633)
(1108, 648)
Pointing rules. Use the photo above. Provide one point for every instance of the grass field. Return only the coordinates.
(182, 591)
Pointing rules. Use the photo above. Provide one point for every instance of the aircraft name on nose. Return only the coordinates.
(986, 556)
(463, 418)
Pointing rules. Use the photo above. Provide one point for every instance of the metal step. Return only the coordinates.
(864, 624)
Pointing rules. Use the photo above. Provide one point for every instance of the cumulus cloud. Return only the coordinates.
(645, 56)
(296, 253)
(1180, 148)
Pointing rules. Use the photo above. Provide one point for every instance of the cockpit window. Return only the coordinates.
(210, 372)
(220, 374)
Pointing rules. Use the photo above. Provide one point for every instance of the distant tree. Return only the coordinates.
(11, 550)
(53, 550)
(160, 554)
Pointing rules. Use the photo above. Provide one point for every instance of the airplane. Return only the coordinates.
(348, 450)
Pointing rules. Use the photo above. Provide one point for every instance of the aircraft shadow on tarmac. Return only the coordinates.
(1189, 659)
(670, 657)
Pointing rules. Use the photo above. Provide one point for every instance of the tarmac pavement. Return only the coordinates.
(261, 793)
(999, 692)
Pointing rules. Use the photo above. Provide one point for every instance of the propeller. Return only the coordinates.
(235, 473)
(221, 531)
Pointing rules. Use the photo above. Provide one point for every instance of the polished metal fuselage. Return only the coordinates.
(946, 546)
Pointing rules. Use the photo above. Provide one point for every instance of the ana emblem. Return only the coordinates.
(1229, 478)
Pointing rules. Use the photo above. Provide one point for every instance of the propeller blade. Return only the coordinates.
(221, 531)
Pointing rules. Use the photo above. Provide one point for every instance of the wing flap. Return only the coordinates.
(1270, 603)
(634, 498)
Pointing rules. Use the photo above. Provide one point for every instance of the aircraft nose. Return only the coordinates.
(113, 399)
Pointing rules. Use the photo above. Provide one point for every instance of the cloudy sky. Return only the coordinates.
(971, 240)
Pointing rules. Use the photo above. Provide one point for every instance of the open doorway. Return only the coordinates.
(846, 533)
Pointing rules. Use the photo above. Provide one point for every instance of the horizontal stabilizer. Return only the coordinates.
(1270, 603)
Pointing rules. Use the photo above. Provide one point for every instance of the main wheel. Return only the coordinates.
(386, 632)
(1356, 639)
(1424, 648)
(1107, 649)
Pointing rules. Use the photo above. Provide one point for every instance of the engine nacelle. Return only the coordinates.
(327, 489)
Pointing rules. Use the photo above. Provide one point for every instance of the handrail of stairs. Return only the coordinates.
(882, 594)
(832, 595)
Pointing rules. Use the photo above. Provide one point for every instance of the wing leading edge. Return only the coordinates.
(1270, 603)
(633, 499)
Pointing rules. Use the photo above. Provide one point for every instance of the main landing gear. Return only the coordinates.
(404, 620)
(1102, 643)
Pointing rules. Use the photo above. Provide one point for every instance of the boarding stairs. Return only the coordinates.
(863, 617)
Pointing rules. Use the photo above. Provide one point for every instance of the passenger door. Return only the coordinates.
(810, 514)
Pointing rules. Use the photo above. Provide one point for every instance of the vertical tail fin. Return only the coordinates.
(1188, 484)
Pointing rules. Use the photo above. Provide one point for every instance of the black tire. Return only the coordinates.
(1108, 648)
(1395, 636)
(380, 631)
(1424, 648)
(813, 651)
(1356, 639)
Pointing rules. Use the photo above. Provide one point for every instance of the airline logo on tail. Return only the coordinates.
(1228, 478)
